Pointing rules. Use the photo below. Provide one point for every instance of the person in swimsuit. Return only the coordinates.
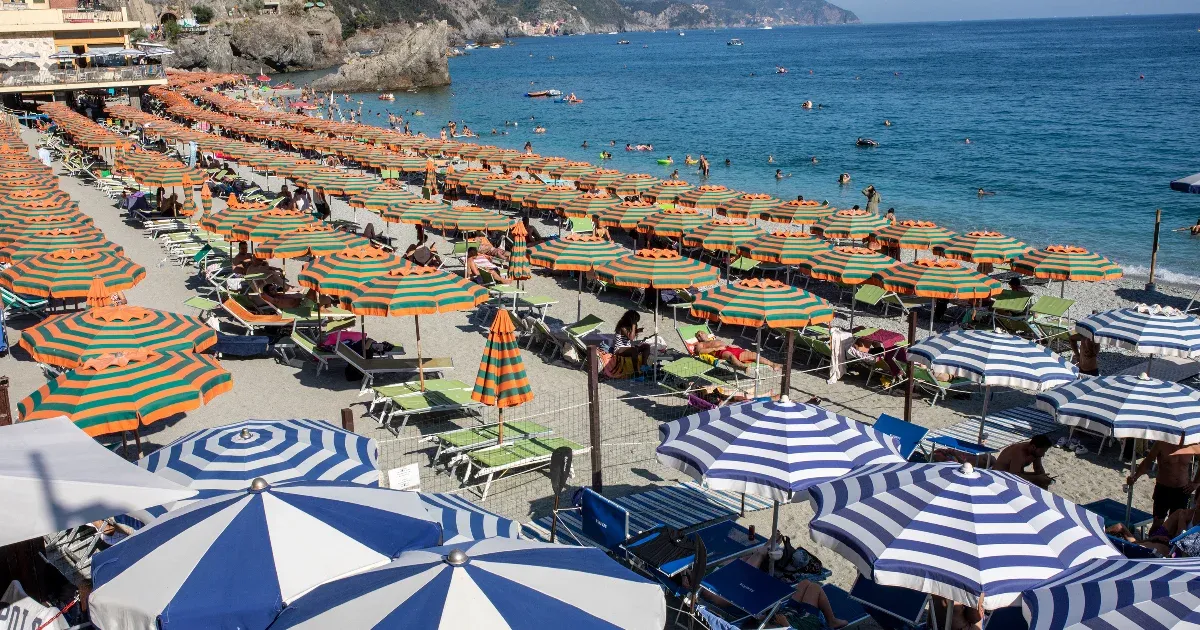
(624, 339)
(1172, 486)
(1161, 536)
(739, 358)
(1087, 354)
(1017, 457)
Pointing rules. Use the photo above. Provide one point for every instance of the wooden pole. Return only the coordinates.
(347, 419)
(5, 406)
(1154, 248)
(785, 386)
(594, 435)
(908, 384)
(500, 428)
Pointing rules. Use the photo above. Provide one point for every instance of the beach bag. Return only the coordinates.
(1187, 546)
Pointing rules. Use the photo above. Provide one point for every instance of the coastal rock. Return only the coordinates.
(409, 56)
(274, 43)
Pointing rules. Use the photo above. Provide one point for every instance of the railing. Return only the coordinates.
(94, 16)
(86, 75)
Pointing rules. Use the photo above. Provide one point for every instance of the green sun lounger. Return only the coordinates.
(463, 440)
(307, 311)
(925, 379)
(374, 367)
(16, 305)
(407, 400)
(301, 343)
(497, 462)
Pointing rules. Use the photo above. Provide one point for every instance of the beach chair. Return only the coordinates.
(301, 343)
(892, 607)
(16, 305)
(754, 593)
(909, 434)
(869, 294)
(454, 443)
(1012, 303)
(535, 304)
(1048, 308)
(905, 303)
(972, 449)
(578, 225)
(203, 305)
(245, 313)
(497, 462)
(1113, 513)
(1132, 551)
(371, 368)
(569, 337)
(925, 380)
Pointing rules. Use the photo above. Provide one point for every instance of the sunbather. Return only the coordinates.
(422, 256)
(738, 357)
(476, 262)
(964, 617)
(486, 248)
(1160, 538)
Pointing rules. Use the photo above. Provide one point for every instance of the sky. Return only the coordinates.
(944, 10)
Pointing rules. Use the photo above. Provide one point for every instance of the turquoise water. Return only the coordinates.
(1076, 147)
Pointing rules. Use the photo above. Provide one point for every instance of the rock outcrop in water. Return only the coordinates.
(407, 56)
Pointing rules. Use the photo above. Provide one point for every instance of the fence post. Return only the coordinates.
(908, 384)
(594, 418)
(5, 405)
(348, 419)
(785, 387)
(1150, 286)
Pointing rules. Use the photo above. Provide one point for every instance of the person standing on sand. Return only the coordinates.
(873, 198)
(1087, 354)
(1171, 487)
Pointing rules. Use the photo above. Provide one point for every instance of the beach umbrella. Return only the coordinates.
(467, 219)
(165, 175)
(588, 204)
(13, 231)
(463, 521)
(461, 178)
(846, 265)
(122, 391)
(707, 197)
(1153, 330)
(70, 339)
(953, 530)
(14, 196)
(672, 222)
(515, 192)
(543, 165)
(760, 302)
(312, 239)
(339, 274)
(722, 235)
(487, 185)
(849, 224)
(798, 212)
(632, 185)
(519, 161)
(70, 273)
(551, 197)
(981, 247)
(501, 380)
(273, 223)
(51, 240)
(575, 252)
(599, 179)
(572, 171)
(1117, 594)
(487, 584)
(1124, 407)
(1066, 262)
(747, 206)
(381, 198)
(993, 359)
(667, 191)
(223, 221)
(40, 207)
(284, 540)
(518, 258)
(626, 215)
(912, 234)
(936, 279)
(413, 212)
(188, 205)
(783, 248)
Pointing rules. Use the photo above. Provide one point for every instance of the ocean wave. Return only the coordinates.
(1161, 275)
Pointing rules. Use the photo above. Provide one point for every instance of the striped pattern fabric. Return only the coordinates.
(632, 184)
(626, 215)
(783, 248)
(413, 211)
(458, 178)
(722, 235)
(657, 269)
(572, 171)
(14, 196)
(518, 258)
(544, 164)
(599, 179)
(575, 252)
(994, 358)
(515, 191)
(270, 224)
(667, 191)
(16, 230)
(467, 219)
(518, 161)
(673, 222)
(551, 197)
(773, 449)
(463, 521)
(1118, 594)
(1127, 407)
(339, 274)
(487, 186)
(757, 302)
(1066, 262)
(312, 239)
(47, 241)
(335, 182)
(33, 209)
(69, 273)
(1145, 329)
(381, 198)
(912, 234)
(412, 290)
(981, 247)
(69, 339)
(945, 279)
(501, 380)
(798, 212)
(954, 531)
(747, 206)
(852, 224)
(845, 265)
(1003, 428)
(117, 392)
(707, 197)
(589, 204)
(167, 176)
(224, 221)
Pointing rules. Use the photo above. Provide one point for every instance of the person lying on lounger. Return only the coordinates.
(739, 358)
(1160, 539)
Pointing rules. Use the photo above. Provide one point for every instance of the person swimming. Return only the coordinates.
(815, 160)
(887, 123)
(770, 159)
(981, 192)
(967, 141)
(844, 178)
(779, 174)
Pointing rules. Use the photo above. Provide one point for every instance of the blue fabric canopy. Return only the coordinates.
(1128, 407)
(1190, 184)
(1153, 330)
(1118, 594)
(993, 358)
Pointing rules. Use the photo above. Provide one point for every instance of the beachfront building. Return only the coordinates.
(50, 50)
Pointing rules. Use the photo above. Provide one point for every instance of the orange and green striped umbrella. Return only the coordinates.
(13, 197)
(575, 252)
(1066, 262)
(490, 185)
(551, 197)
(167, 176)
(518, 258)
(16, 230)
(589, 204)
(501, 380)
(852, 224)
(34, 182)
(188, 205)
(37, 207)
(336, 182)
(339, 274)
(632, 185)
(707, 197)
(404, 163)
(981, 247)
(267, 225)
(667, 191)
(846, 265)
(120, 392)
(912, 234)
(798, 212)
(413, 211)
(517, 190)
(205, 199)
(945, 279)
(626, 215)
(461, 178)
(468, 219)
(69, 273)
(599, 179)
(68, 340)
(519, 162)
(544, 165)
(783, 248)
(747, 206)
(722, 235)
(672, 222)
(757, 302)
(224, 221)
(381, 198)
(314, 239)
(657, 269)
(413, 290)
(571, 170)
(45, 241)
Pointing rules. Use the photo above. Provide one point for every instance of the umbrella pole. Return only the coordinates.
(500, 428)
(420, 366)
(757, 357)
(137, 439)
(774, 531)
(579, 297)
(932, 310)
(987, 395)
(1062, 288)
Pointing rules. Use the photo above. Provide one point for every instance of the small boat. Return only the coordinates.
(734, 42)
(541, 93)
(387, 97)
(866, 142)
(612, 33)
(412, 90)
(470, 46)
(623, 42)
(681, 33)
(765, 27)
(569, 101)
(495, 46)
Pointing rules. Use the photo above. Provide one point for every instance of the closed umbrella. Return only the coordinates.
(580, 253)
(501, 381)
(518, 255)
(1066, 262)
(1117, 594)
(70, 339)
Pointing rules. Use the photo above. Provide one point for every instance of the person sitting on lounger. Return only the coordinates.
(276, 296)
(625, 339)
(739, 358)
(1160, 537)
(477, 262)
(246, 264)
(422, 256)
(486, 248)
(1015, 458)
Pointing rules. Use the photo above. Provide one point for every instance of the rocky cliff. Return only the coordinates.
(290, 40)
(404, 56)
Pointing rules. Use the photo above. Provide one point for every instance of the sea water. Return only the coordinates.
(1076, 145)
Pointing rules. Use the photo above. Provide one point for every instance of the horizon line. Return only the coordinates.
(1009, 19)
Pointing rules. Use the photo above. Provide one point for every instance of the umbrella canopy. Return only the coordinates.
(747, 206)
(550, 197)
(119, 392)
(518, 259)
(722, 235)
(851, 224)
(936, 279)
(271, 224)
(912, 234)
(463, 521)
(626, 215)
(667, 191)
(1127, 407)
(412, 211)
(707, 197)
(1153, 330)
(468, 219)
(846, 265)
(461, 178)
(339, 274)
(797, 212)
(494, 583)
(45, 241)
(48, 473)
(657, 269)
(599, 179)
(981, 247)
(954, 531)
(543, 165)
(487, 185)
(224, 221)
(1066, 262)
(284, 540)
(14, 231)
(70, 339)
(774, 449)
(783, 248)
(517, 190)
(381, 198)
(412, 290)
(69, 273)
(589, 204)
(1118, 594)
(672, 222)
(570, 170)
(757, 302)
(168, 175)
(632, 184)
(994, 358)
(575, 252)
(312, 239)
(501, 380)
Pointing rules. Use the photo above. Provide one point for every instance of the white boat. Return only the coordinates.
(765, 27)
(681, 33)
(734, 42)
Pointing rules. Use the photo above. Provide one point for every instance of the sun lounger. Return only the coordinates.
(16, 305)
(463, 440)
(752, 592)
(891, 607)
(307, 311)
(371, 368)
(498, 462)
(926, 380)
(301, 343)
(440, 394)
(972, 449)
(1113, 513)
(1003, 428)
(1131, 550)
(204, 305)
(909, 434)
(905, 303)
(535, 304)
(242, 311)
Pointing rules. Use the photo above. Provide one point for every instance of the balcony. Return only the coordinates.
(77, 17)
(56, 79)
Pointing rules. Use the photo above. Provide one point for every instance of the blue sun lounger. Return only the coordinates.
(909, 434)
(892, 607)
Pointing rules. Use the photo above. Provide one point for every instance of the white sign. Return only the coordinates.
(405, 478)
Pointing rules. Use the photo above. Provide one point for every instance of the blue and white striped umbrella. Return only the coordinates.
(463, 521)
(1153, 330)
(1127, 407)
(233, 561)
(772, 449)
(494, 584)
(993, 358)
(954, 531)
(1118, 594)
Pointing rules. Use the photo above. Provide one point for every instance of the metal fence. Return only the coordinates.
(46, 76)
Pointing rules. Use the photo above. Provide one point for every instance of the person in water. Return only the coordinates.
(704, 166)
(844, 179)
(528, 147)
(584, 145)
(982, 193)
(967, 141)
(728, 163)
(779, 174)
(815, 160)
(675, 174)
(887, 123)
(628, 147)
(770, 159)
